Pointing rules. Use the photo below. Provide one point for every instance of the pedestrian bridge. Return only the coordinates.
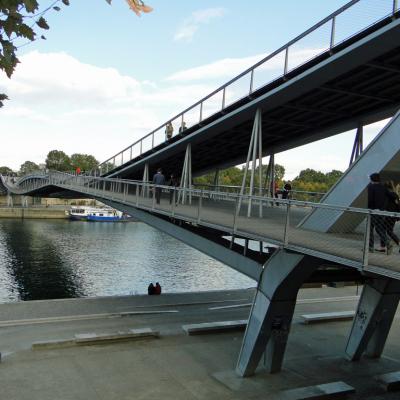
(348, 75)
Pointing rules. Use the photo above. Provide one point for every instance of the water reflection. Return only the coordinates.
(32, 263)
(63, 259)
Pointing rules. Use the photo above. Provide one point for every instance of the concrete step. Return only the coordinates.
(332, 390)
(214, 327)
(328, 317)
(53, 344)
(84, 339)
(96, 338)
(390, 381)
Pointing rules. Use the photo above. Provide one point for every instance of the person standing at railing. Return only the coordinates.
(182, 127)
(158, 179)
(286, 192)
(169, 131)
(392, 205)
(377, 199)
(173, 182)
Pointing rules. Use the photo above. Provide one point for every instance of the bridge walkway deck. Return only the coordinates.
(274, 227)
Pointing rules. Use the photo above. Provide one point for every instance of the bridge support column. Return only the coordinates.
(374, 317)
(216, 180)
(358, 144)
(10, 200)
(24, 201)
(186, 178)
(254, 148)
(270, 177)
(272, 311)
(145, 192)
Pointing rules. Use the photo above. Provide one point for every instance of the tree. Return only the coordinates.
(310, 180)
(234, 176)
(5, 171)
(85, 162)
(333, 176)
(28, 167)
(311, 175)
(18, 18)
(58, 160)
(279, 172)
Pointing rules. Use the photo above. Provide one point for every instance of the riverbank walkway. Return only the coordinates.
(175, 365)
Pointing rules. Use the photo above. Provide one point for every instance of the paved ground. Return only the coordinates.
(175, 366)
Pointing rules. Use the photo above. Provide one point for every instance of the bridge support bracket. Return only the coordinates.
(374, 317)
(272, 311)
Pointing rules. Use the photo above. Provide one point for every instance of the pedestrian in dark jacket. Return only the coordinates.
(158, 179)
(377, 198)
(392, 205)
(286, 190)
(151, 289)
(173, 182)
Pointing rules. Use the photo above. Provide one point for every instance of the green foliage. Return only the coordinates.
(85, 162)
(310, 180)
(234, 176)
(27, 167)
(5, 170)
(58, 160)
(17, 20)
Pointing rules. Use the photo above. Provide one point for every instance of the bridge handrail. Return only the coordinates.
(285, 48)
(256, 190)
(53, 178)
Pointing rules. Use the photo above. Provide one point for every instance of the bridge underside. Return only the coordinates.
(358, 82)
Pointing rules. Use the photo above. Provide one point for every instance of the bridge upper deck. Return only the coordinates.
(327, 83)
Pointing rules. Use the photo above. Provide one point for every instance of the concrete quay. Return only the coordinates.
(32, 213)
(175, 365)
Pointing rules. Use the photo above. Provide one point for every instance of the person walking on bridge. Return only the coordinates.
(158, 179)
(173, 182)
(377, 199)
(392, 205)
(169, 130)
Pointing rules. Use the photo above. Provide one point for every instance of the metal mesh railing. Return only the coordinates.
(322, 38)
(281, 193)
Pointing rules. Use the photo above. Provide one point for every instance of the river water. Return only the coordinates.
(45, 259)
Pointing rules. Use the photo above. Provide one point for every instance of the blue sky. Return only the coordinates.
(104, 77)
(96, 33)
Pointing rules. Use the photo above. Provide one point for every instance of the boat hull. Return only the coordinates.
(97, 218)
(78, 217)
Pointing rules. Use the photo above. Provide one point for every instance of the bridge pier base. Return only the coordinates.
(272, 312)
(374, 317)
(10, 200)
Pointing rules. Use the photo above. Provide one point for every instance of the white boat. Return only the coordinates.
(99, 214)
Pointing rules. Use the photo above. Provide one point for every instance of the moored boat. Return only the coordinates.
(97, 214)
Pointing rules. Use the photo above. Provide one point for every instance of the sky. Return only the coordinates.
(104, 77)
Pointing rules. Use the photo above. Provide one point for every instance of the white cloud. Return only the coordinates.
(57, 102)
(229, 67)
(192, 24)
